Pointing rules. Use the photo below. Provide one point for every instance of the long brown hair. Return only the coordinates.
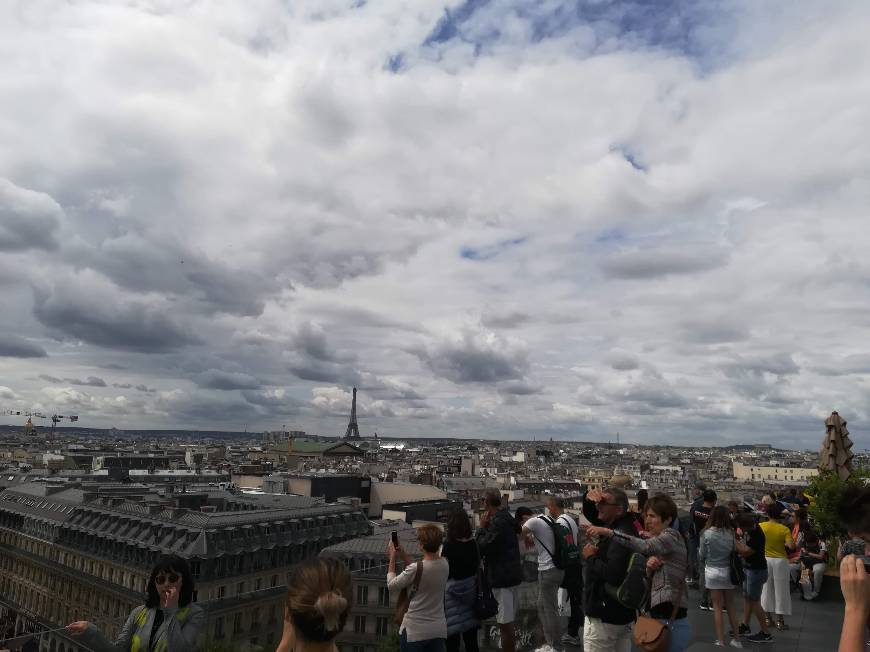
(319, 598)
(720, 517)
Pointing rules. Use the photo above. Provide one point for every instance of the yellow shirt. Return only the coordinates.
(775, 537)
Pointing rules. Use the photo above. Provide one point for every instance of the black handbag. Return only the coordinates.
(738, 571)
(485, 604)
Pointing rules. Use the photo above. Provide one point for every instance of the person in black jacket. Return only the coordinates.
(500, 551)
(608, 623)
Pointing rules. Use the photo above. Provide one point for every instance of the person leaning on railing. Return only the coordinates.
(169, 621)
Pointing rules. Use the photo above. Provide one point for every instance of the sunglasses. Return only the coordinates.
(170, 577)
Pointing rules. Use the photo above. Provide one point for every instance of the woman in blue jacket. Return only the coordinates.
(460, 551)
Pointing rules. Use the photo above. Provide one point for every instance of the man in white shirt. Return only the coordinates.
(549, 576)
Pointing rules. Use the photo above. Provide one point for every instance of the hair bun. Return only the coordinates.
(331, 606)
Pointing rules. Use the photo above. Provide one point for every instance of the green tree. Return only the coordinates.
(827, 488)
(390, 643)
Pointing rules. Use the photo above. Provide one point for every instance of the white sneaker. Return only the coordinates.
(736, 643)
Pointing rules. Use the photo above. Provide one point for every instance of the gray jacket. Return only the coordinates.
(716, 546)
(671, 549)
(181, 631)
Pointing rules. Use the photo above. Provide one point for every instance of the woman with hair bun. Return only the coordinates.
(319, 599)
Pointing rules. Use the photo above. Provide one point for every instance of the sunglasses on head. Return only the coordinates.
(168, 577)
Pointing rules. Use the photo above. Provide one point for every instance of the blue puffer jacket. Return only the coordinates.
(459, 599)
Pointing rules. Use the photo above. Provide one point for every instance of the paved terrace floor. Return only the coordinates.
(814, 627)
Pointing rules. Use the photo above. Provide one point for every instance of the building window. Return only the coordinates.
(383, 596)
(274, 581)
(219, 628)
(259, 584)
(237, 623)
(362, 594)
(240, 588)
(382, 626)
(359, 624)
(222, 592)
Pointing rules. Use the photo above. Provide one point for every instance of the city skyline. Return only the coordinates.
(496, 219)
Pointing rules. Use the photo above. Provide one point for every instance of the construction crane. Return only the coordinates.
(55, 418)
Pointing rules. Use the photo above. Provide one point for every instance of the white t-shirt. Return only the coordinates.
(544, 541)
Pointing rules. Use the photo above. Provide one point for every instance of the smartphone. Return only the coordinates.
(395, 537)
(866, 564)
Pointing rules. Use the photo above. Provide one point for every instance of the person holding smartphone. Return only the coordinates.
(169, 619)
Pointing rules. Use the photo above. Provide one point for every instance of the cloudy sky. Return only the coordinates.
(497, 218)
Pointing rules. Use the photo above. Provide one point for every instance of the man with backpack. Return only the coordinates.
(558, 555)
(608, 621)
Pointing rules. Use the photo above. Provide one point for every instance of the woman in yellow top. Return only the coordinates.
(776, 594)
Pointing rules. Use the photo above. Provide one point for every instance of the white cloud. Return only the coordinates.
(258, 213)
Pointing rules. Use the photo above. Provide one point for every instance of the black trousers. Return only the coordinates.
(469, 637)
(573, 583)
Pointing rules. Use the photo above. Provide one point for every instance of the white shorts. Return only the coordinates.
(717, 578)
(507, 599)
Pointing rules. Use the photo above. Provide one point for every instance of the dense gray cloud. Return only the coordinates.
(217, 379)
(28, 219)
(586, 223)
(476, 358)
(71, 311)
(12, 346)
(649, 264)
(90, 381)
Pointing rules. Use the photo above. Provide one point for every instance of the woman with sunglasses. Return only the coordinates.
(168, 621)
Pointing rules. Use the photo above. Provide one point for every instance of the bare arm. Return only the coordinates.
(855, 585)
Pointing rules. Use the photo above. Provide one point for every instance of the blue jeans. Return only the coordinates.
(429, 645)
(754, 583)
(681, 634)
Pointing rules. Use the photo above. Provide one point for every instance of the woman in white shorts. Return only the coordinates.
(717, 544)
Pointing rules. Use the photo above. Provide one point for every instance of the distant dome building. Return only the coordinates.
(29, 428)
(619, 479)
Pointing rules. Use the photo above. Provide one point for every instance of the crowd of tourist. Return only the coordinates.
(611, 563)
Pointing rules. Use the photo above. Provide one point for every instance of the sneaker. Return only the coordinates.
(574, 641)
(735, 643)
(718, 643)
(744, 629)
(760, 637)
(705, 607)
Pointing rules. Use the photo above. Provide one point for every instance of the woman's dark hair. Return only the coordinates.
(319, 599)
(174, 564)
(854, 509)
(775, 511)
(720, 517)
(664, 507)
(811, 538)
(746, 522)
(642, 497)
(521, 511)
(458, 525)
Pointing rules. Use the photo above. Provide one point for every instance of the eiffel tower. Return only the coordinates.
(353, 426)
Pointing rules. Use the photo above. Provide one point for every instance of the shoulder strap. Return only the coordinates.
(549, 522)
(418, 575)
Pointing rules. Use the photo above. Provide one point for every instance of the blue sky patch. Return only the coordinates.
(490, 251)
(694, 28)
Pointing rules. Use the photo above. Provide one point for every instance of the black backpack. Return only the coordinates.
(633, 591)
